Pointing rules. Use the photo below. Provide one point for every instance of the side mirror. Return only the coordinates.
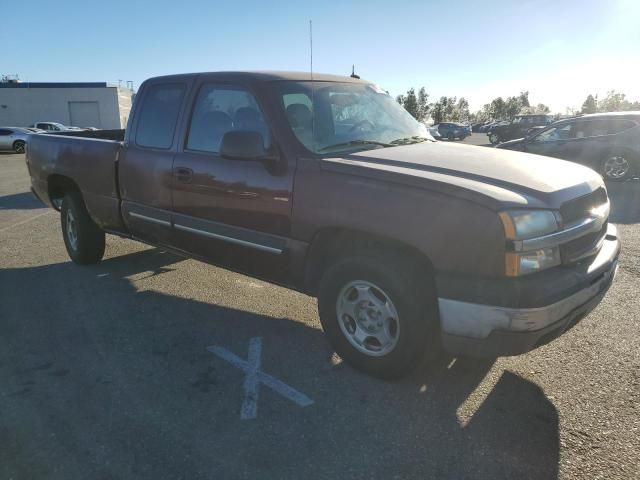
(243, 145)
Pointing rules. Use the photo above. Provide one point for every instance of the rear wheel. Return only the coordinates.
(379, 313)
(18, 146)
(83, 239)
(494, 138)
(617, 166)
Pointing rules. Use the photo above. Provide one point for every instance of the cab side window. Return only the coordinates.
(159, 115)
(560, 132)
(221, 109)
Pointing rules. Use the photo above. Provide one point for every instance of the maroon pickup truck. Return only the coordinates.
(329, 187)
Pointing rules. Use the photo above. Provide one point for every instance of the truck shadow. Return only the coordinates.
(625, 202)
(106, 376)
(20, 201)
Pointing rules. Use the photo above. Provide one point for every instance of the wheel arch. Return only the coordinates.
(58, 186)
(331, 243)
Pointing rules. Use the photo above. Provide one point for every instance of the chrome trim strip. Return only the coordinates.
(478, 321)
(150, 219)
(589, 225)
(237, 241)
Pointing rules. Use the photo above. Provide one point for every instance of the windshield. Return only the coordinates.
(331, 117)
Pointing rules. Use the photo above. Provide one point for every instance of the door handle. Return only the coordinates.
(183, 174)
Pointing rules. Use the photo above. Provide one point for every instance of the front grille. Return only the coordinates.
(580, 208)
(574, 211)
(581, 247)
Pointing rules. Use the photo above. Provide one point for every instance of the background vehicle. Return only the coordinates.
(607, 142)
(517, 128)
(487, 126)
(451, 131)
(435, 133)
(49, 126)
(14, 139)
(408, 244)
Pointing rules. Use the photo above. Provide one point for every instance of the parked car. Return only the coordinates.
(451, 130)
(607, 142)
(14, 139)
(485, 128)
(409, 244)
(517, 128)
(477, 126)
(49, 126)
(434, 132)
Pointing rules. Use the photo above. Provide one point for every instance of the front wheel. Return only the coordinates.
(83, 239)
(379, 313)
(494, 138)
(617, 167)
(18, 146)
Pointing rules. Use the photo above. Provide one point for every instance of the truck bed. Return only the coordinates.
(90, 163)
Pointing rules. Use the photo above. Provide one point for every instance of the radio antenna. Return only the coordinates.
(313, 116)
(311, 47)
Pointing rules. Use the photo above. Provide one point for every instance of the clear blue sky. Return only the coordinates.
(558, 50)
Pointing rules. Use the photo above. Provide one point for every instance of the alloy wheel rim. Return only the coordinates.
(368, 318)
(72, 230)
(20, 148)
(616, 166)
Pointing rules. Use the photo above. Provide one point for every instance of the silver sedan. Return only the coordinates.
(14, 139)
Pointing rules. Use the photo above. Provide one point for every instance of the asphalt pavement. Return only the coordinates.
(142, 366)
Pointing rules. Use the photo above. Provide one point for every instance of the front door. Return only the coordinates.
(551, 142)
(225, 210)
(145, 166)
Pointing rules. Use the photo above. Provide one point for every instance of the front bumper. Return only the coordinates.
(530, 317)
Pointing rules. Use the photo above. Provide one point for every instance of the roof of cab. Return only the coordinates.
(266, 76)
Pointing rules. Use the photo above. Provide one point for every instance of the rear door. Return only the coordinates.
(6, 139)
(145, 165)
(230, 210)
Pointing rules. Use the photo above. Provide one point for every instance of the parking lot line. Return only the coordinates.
(25, 221)
(254, 377)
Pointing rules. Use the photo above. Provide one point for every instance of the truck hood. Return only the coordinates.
(496, 177)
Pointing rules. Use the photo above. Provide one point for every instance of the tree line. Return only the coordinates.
(453, 109)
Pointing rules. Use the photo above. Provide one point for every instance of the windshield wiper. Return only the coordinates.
(352, 143)
(409, 140)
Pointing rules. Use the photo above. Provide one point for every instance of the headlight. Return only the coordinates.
(521, 224)
(526, 224)
(530, 262)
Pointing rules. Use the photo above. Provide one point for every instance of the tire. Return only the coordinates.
(408, 294)
(494, 138)
(450, 137)
(83, 239)
(18, 146)
(618, 166)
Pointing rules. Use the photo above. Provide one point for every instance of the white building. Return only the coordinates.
(77, 104)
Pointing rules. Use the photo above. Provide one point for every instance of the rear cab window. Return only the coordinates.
(220, 109)
(159, 115)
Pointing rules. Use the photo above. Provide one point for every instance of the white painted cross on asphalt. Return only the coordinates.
(254, 377)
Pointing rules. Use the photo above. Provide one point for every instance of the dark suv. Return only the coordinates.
(451, 131)
(606, 142)
(519, 127)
